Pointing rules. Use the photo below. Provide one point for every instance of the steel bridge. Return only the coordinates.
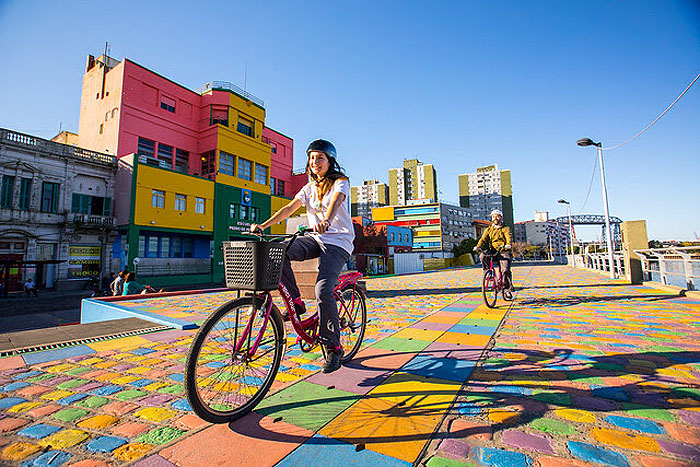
(596, 219)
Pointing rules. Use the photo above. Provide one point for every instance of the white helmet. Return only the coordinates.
(496, 211)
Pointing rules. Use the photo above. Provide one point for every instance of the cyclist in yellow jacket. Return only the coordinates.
(497, 237)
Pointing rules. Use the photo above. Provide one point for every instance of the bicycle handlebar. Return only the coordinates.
(278, 237)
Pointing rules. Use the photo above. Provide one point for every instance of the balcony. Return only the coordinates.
(93, 221)
(227, 86)
(58, 149)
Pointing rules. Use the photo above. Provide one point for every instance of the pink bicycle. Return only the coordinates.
(492, 283)
(234, 357)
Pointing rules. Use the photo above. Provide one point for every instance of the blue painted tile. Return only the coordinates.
(591, 453)
(609, 393)
(181, 404)
(38, 431)
(450, 369)
(107, 390)
(7, 402)
(14, 386)
(310, 366)
(179, 377)
(319, 450)
(26, 374)
(466, 408)
(72, 398)
(139, 383)
(507, 389)
(48, 459)
(503, 458)
(471, 329)
(56, 354)
(638, 424)
(105, 444)
(142, 351)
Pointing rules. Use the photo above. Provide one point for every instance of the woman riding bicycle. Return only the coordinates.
(497, 237)
(324, 198)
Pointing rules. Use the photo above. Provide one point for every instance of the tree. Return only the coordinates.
(465, 246)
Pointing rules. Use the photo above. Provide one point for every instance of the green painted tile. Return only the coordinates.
(72, 383)
(637, 410)
(69, 415)
(307, 405)
(92, 402)
(482, 322)
(398, 344)
(584, 378)
(38, 378)
(437, 461)
(160, 435)
(690, 392)
(609, 366)
(129, 394)
(79, 370)
(554, 398)
(172, 389)
(554, 427)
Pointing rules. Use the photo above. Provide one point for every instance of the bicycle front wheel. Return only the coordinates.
(489, 289)
(223, 383)
(352, 311)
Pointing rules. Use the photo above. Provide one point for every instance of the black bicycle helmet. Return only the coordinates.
(323, 146)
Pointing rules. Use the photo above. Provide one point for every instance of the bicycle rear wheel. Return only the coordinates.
(223, 385)
(352, 311)
(489, 289)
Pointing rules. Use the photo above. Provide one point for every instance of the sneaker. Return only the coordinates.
(333, 358)
(299, 307)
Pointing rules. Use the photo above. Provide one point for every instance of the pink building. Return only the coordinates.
(282, 162)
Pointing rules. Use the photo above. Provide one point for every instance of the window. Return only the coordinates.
(245, 168)
(199, 204)
(177, 247)
(167, 103)
(180, 202)
(232, 210)
(158, 199)
(226, 163)
(182, 160)
(146, 147)
(273, 185)
(208, 159)
(274, 148)
(219, 115)
(245, 127)
(392, 236)
(165, 155)
(280, 188)
(86, 204)
(260, 174)
(49, 197)
(25, 191)
(7, 193)
(187, 247)
(152, 247)
(244, 212)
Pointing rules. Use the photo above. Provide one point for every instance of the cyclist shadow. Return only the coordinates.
(406, 407)
(419, 292)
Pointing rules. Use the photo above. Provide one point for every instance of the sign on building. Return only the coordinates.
(84, 261)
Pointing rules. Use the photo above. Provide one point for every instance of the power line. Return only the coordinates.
(590, 185)
(657, 118)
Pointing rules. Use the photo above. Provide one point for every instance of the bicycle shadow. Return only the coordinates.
(569, 300)
(419, 292)
(531, 387)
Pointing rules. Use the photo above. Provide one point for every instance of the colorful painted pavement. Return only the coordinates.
(583, 370)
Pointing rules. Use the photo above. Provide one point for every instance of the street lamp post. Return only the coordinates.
(571, 231)
(608, 234)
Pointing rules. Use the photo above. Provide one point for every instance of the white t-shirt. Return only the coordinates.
(340, 233)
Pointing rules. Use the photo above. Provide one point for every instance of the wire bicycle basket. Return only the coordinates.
(253, 265)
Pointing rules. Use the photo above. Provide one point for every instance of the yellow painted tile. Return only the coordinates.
(24, 407)
(61, 368)
(464, 339)
(155, 386)
(504, 416)
(106, 365)
(115, 344)
(152, 362)
(420, 334)
(135, 358)
(301, 361)
(575, 415)
(64, 439)
(300, 371)
(417, 392)
(130, 452)
(107, 377)
(98, 422)
(286, 377)
(138, 370)
(91, 361)
(19, 451)
(124, 379)
(155, 414)
(56, 395)
(625, 440)
(385, 427)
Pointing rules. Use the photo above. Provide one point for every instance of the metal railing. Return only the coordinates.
(228, 86)
(177, 269)
(601, 262)
(679, 266)
(57, 148)
(93, 220)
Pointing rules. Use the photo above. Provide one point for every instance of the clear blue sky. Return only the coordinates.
(456, 84)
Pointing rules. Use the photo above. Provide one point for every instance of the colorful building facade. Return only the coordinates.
(196, 168)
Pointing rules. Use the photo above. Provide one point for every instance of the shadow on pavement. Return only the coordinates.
(565, 301)
(411, 292)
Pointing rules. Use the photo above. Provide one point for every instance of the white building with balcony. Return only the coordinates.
(56, 223)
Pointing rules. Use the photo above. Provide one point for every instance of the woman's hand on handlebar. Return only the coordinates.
(256, 229)
(322, 226)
